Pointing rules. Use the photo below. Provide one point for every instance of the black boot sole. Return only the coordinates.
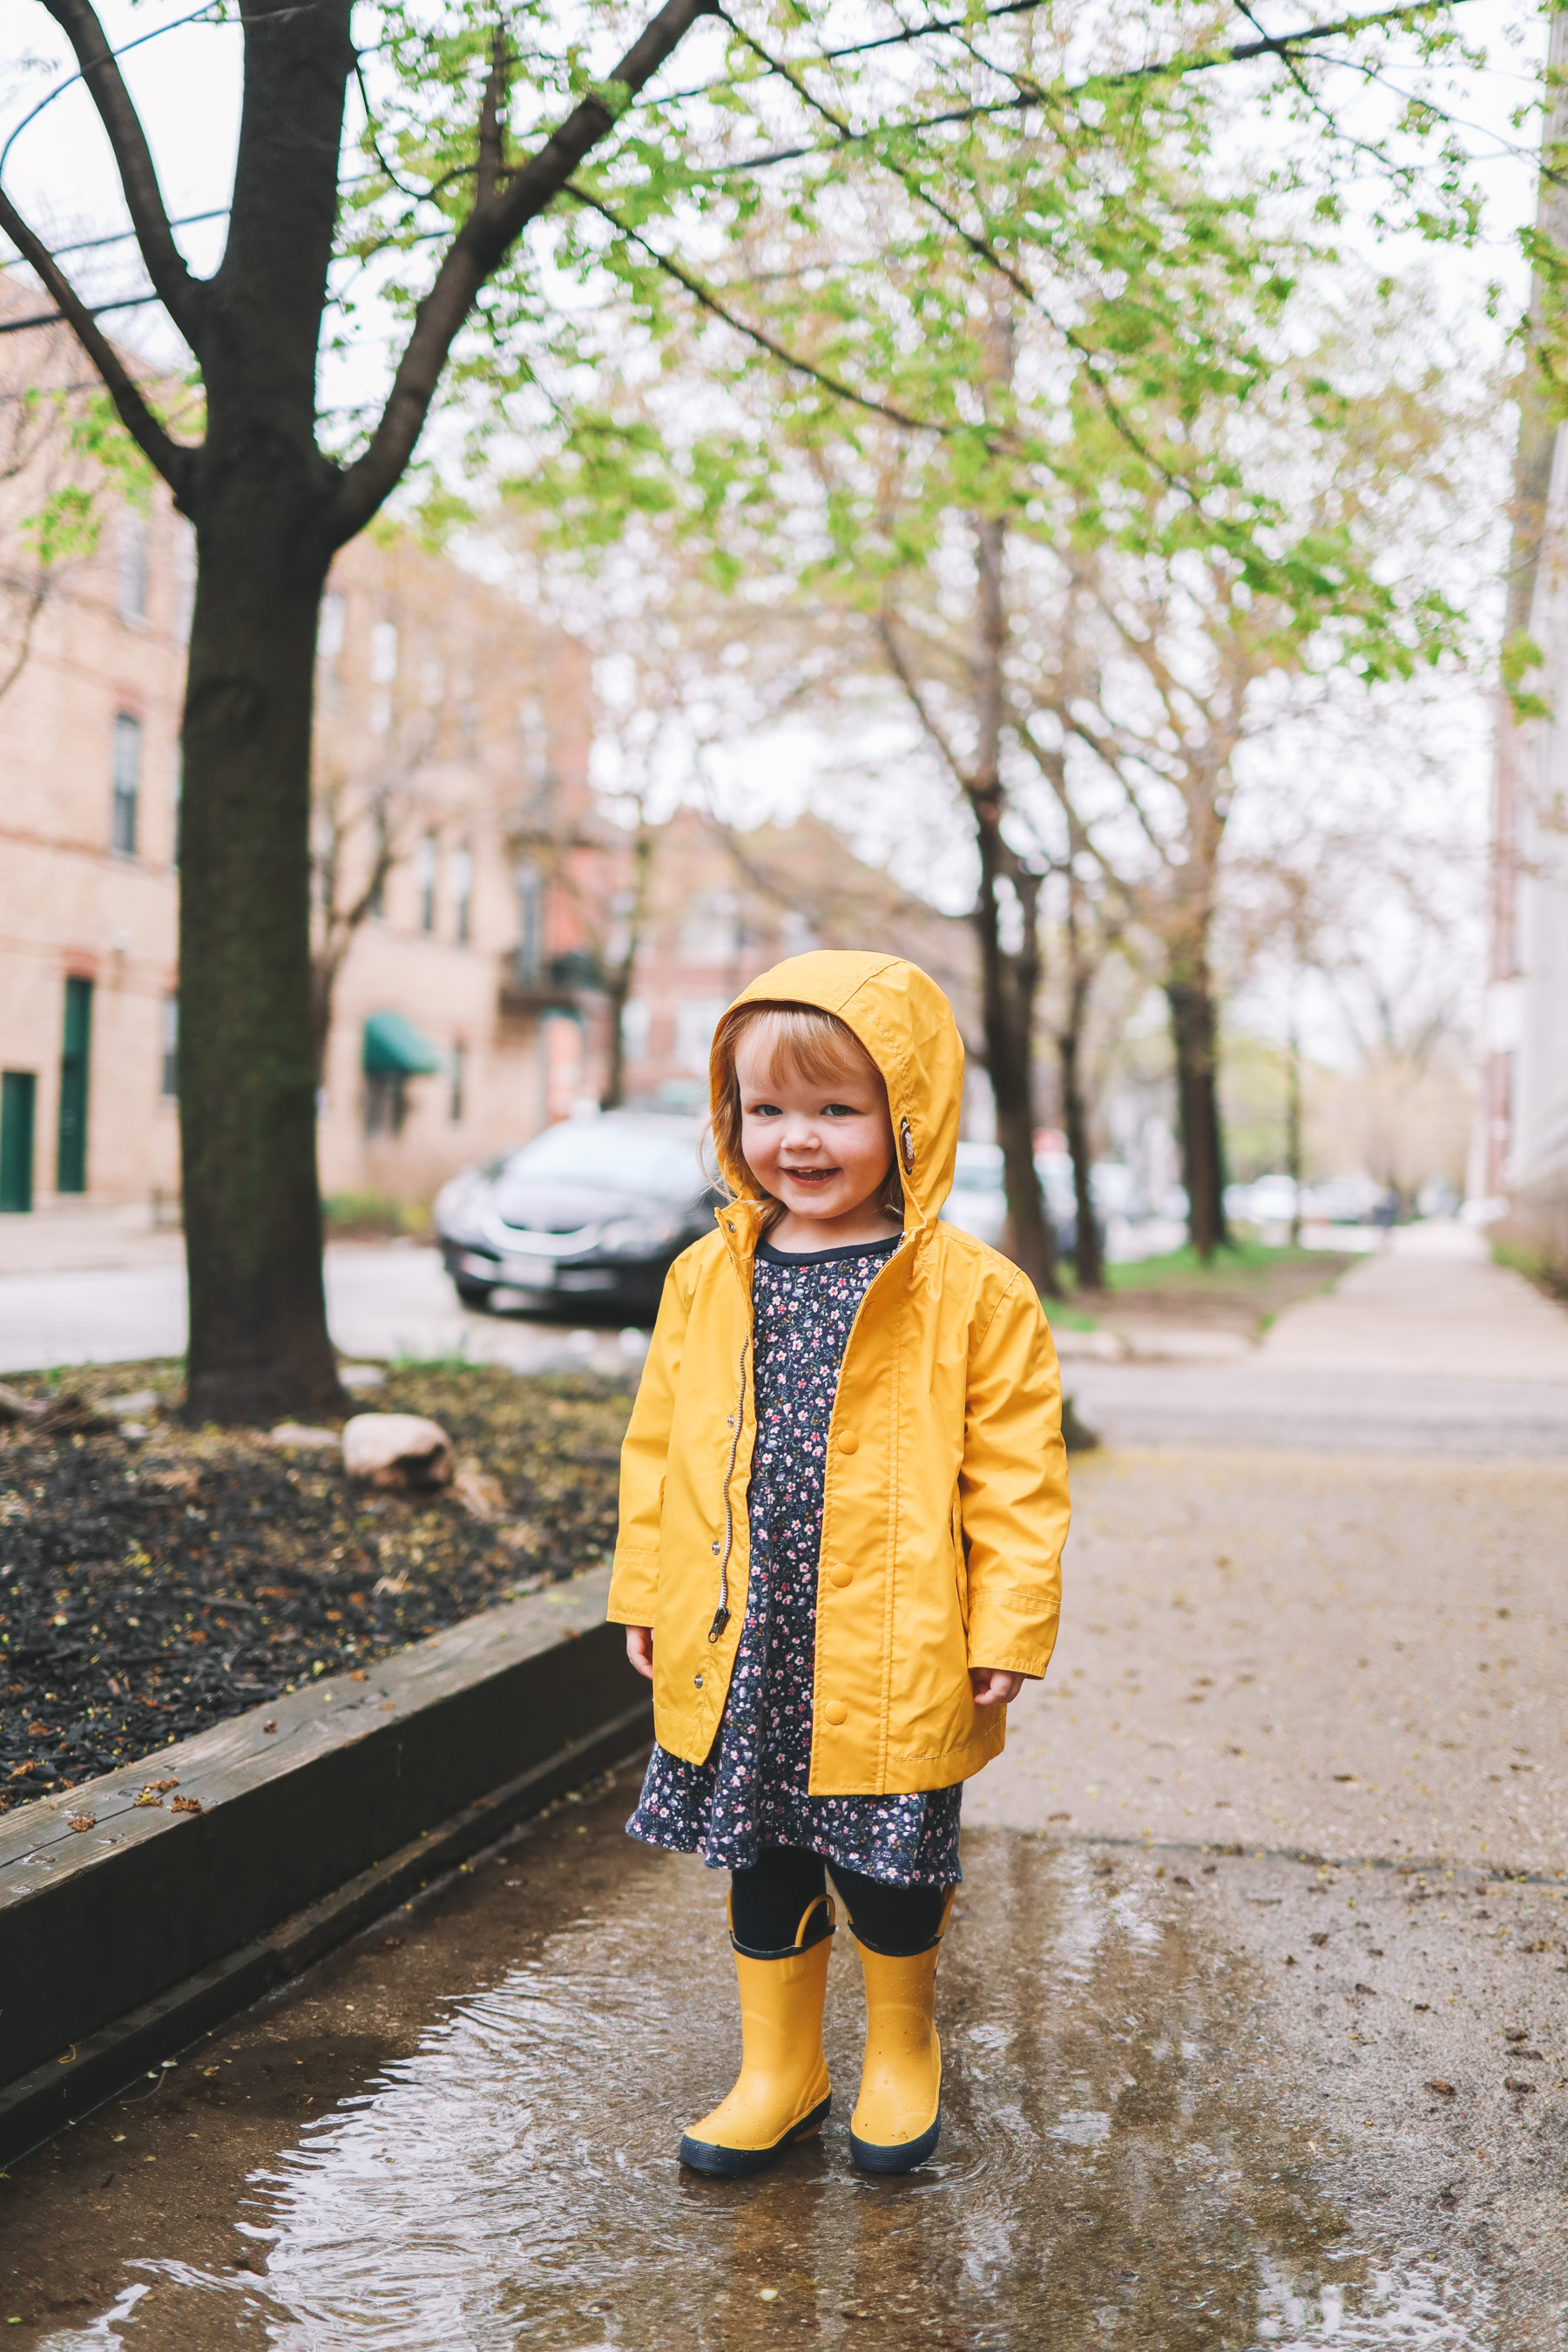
(904, 2158)
(736, 2163)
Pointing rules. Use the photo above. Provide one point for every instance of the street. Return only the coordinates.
(1255, 2008)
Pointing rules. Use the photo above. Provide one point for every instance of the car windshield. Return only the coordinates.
(610, 1155)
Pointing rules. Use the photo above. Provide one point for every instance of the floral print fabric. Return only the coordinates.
(753, 1788)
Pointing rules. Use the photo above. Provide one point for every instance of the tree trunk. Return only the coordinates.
(622, 976)
(259, 1344)
(1088, 1257)
(1189, 993)
(261, 501)
(1009, 975)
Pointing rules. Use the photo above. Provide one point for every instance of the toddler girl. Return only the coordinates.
(843, 1502)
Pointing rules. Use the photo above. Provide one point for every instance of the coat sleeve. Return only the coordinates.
(633, 1579)
(1012, 1488)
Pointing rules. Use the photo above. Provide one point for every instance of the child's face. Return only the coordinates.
(823, 1147)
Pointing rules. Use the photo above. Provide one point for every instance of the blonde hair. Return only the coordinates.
(814, 1044)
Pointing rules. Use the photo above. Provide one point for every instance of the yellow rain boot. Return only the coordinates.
(898, 2116)
(782, 2093)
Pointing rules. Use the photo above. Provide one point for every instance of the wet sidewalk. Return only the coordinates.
(461, 2133)
(1427, 1346)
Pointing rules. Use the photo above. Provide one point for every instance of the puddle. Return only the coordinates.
(1120, 2160)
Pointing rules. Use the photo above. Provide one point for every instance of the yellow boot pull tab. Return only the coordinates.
(818, 1902)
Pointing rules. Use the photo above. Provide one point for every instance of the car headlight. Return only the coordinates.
(638, 1236)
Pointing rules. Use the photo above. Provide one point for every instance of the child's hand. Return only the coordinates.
(994, 1686)
(640, 1649)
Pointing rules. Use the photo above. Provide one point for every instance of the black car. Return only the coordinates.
(591, 1213)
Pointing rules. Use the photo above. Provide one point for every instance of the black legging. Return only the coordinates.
(767, 1902)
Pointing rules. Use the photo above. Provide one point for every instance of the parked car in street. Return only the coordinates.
(592, 1213)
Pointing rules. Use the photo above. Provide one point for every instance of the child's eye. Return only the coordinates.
(762, 1110)
(839, 1110)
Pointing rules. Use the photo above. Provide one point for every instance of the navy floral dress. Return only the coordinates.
(753, 1788)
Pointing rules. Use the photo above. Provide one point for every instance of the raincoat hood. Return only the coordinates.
(905, 1023)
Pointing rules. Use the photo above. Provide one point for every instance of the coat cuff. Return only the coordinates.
(634, 1586)
(997, 1640)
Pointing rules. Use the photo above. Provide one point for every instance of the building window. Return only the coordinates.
(530, 884)
(185, 578)
(168, 1085)
(384, 652)
(130, 570)
(385, 1102)
(460, 1071)
(329, 628)
(463, 891)
(637, 1020)
(696, 1018)
(127, 784)
(425, 877)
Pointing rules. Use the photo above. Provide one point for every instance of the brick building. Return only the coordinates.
(454, 849)
(724, 904)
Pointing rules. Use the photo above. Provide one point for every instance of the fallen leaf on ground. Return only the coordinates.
(1443, 2090)
(80, 1821)
(188, 1805)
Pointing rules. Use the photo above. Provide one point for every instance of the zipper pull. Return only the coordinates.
(720, 1619)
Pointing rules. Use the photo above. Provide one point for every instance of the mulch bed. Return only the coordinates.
(152, 1585)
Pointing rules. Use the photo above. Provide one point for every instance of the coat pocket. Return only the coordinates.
(960, 1563)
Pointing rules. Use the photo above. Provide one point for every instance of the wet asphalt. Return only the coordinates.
(1255, 2011)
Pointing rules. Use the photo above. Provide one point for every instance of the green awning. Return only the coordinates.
(393, 1048)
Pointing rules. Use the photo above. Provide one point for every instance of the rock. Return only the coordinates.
(298, 1437)
(397, 1449)
(362, 1376)
(136, 1406)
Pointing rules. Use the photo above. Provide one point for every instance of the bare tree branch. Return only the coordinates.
(780, 351)
(183, 296)
(174, 459)
(478, 249)
(492, 125)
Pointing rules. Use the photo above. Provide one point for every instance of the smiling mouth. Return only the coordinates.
(809, 1175)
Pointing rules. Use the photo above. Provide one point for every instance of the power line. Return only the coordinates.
(95, 310)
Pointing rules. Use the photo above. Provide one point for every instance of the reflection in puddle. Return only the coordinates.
(1118, 2164)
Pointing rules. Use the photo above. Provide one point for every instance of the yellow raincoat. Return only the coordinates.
(946, 1507)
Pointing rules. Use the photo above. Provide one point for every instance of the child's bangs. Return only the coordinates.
(800, 1038)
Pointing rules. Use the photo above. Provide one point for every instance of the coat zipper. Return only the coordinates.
(722, 1614)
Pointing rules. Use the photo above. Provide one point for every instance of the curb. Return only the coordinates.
(121, 1943)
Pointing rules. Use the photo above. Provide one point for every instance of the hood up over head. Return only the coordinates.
(905, 1023)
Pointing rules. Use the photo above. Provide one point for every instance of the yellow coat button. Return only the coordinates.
(836, 1711)
(847, 1440)
(840, 1574)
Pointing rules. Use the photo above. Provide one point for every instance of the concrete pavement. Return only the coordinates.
(1435, 1304)
(1428, 1347)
